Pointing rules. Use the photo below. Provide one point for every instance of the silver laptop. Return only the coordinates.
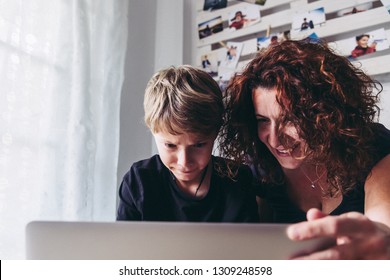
(162, 241)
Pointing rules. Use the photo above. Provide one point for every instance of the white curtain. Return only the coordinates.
(61, 76)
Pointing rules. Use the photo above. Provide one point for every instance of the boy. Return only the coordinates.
(184, 110)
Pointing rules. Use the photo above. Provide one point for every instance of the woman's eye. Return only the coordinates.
(262, 120)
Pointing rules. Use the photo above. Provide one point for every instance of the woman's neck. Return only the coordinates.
(306, 187)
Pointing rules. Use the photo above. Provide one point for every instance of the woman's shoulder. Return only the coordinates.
(381, 139)
(382, 132)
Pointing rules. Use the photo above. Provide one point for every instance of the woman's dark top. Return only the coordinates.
(148, 192)
(283, 210)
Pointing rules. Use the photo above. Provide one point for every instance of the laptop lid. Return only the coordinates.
(162, 240)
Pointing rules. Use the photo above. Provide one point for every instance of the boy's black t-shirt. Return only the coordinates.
(148, 192)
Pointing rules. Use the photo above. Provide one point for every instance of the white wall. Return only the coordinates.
(336, 30)
(134, 135)
(155, 40)
(384, 104)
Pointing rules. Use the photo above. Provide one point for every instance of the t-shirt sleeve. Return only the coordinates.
(382, 140)
(129, 208)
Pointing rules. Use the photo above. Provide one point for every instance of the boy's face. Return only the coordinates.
(185, 155)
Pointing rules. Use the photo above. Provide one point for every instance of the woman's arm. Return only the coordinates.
(357, 236)
(377, 193)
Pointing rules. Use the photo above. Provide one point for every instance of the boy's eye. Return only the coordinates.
(170, 146)
(200, 145)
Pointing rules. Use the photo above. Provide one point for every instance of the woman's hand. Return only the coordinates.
(357, 237)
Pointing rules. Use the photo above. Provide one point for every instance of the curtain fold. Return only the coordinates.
(62, 65)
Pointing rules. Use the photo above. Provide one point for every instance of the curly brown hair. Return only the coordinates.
(331, 103)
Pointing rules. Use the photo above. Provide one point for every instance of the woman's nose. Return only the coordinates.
(273, 138)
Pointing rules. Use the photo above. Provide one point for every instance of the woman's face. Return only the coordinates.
(268, 112)
(363, 42)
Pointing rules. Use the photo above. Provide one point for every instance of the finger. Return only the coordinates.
(348, 251)
(351, 225)
(365, 248)
(330, 254)
(353, 215)
(314, 214)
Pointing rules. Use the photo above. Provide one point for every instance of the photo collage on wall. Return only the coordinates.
(222, 60)
(221, 63)
(362, 44)
(246, 15)
(354, 47)
(365, 43)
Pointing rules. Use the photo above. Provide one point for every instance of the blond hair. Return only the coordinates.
(183, 99)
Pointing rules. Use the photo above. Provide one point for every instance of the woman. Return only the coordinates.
(303, 117)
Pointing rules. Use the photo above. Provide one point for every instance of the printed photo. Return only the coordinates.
(209, 62)
(362, 44)
(210, 27)
(355, 9)
(244, 17)
(257, 2)
(232, 55)
(264, 42)
(370, 42)
(308, 20)
(214, 4)
(224, 76)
